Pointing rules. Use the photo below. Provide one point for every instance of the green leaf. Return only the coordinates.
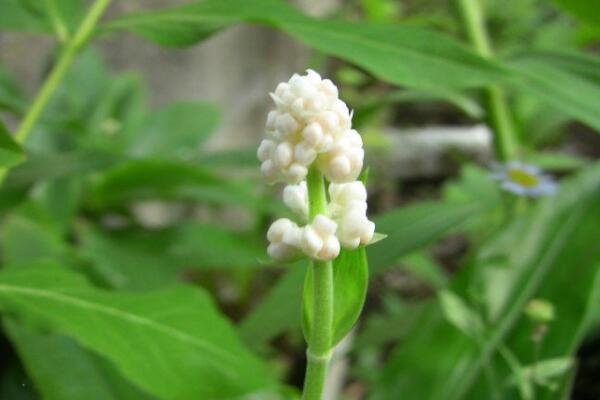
(350, 282)
(461, 315)
(44, 167)
(176, 129)
(39, 16)
(80, 374)
(172, 343)
(559, 88)
(549, 161)
(542, 371)
(124, 261)
(11, 153)
(403, 55)
(425, 267)
(414, 226)
(548, 247)
(12, 97)
(586, 10)
(278, 311)
(144, 179)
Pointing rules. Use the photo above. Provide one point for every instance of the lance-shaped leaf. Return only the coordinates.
(172, 343)
(10, 151)
(401, 54)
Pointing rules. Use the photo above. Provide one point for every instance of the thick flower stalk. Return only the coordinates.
(312, 148)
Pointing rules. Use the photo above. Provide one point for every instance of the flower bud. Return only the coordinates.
(318, 239)
(284, 237)
(295, 198)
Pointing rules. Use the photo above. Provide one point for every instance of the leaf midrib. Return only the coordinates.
(129, 318)
(382, 46)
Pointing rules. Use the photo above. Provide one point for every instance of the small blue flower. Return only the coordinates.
(524, 180)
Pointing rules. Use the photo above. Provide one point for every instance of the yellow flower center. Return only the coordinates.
(523, 178)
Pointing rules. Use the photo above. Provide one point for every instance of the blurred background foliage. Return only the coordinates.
(133, 252)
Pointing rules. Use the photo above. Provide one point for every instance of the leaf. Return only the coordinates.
(556, 161)
(559, 88)
(278, 311)
(544, 370)
(585, 10)
(44, 167)
(459, 314)
(400, 54)
(12, 97)
(176, 129)
(172, 343)
(425, 267)
(80, 374)
(414, 226)
(39, 16)
(436, 361)
(124, 262)
(11, 153)
(144, 179)
(350, 282)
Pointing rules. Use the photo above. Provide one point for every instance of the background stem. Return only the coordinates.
(319, 342)
(51, 83)
(499, 118)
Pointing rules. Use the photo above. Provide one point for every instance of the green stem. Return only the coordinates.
(319, 342)
(505, 139)
(72, 47)
(70, 50)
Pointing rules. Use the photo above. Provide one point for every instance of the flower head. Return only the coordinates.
(524, 180)
(311, 128)
(309, 124)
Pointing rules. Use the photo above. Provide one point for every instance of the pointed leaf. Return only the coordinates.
(11, 153)
(172, 343)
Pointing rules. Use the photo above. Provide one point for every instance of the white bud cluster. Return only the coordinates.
(310, 123)
(348, 206)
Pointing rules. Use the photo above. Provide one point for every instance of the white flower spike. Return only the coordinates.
(309, 124)
(312, 128)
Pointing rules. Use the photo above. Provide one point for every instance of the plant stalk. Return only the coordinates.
(499, 118)
(319, 342)
(70, 50)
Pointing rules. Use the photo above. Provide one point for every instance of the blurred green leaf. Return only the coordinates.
(80, 375)
(414, 226)
(560, 88)
(39, 16)
(585, 10)
(437, 361)
(125, 261)
(12, 97)
(425, 267)
(460, 314)
(26, 239)
(11, 153)
(176, 129)
(400, 54)
(45, 167)
(542, 371)
(144, 179)
(172, 343)
(278, 311)
(556, 161)
(350, 282)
